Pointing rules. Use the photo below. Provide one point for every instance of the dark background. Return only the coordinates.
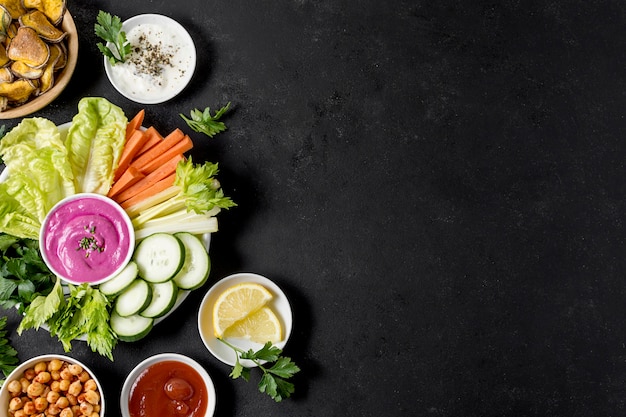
(436, 185)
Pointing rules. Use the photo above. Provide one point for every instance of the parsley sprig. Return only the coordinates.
(109, 28)
(274, 379)
(204, 122)
(8, 354)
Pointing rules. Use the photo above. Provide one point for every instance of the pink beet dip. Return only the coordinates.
(86, 238)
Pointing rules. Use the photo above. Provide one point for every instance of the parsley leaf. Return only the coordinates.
(109, 28)
(273, 382)
(8, 355)
(203, 122)
(23, 274)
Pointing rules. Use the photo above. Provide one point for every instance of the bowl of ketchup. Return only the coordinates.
(168, 385)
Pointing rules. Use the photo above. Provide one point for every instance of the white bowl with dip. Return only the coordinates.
(279, 303)
(168, 381)
(86, 238)
(70, 369)
(161, 64)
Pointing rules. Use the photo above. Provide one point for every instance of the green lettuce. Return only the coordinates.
(94, 143)
(40, 175)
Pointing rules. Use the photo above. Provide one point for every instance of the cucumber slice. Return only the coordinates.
(121, 281)
(133, 299)
(164, 296)
(131, 328)
(159, 257)
(197, 265)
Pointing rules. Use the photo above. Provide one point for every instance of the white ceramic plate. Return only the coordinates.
(280, 304)
(182, 295)
(133, 81)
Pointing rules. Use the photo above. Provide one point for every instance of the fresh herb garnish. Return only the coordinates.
(84, 311)
(90, 244)
(23, 274)
(109, 28)
(8, 355)
(203, 122)
(274, 379)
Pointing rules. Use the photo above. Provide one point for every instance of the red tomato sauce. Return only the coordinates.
(168, 389)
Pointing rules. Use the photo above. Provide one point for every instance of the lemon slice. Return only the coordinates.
(261, 326)
(237, 302)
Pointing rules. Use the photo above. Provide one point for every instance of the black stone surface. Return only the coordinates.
(436, 185)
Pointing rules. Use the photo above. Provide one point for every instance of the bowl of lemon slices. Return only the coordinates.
(244, 310)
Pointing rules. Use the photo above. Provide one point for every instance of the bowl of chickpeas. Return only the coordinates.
(51, 385)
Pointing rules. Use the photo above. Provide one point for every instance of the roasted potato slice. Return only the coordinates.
(4, 58)
(10, 33)
(47, 78)
(6, 75)
(14, 7)
(38, 21)
(62, 61)
(18, 91)
(29, 48)
(5, 22)
(53, 9)
(21, 70)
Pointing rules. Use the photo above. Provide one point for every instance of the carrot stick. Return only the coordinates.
(135, 123)
(131, 176)
(133, 144)
(154, 137)
(168, 142)
(164, 170)
(180, 147)
(153, 190)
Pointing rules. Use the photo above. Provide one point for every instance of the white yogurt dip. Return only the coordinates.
(161, 63)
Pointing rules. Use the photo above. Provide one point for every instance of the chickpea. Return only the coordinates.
(66, 374)
(29, 374)
(55, 365)
(75, 388)
(72, 399)
(63, 402)
(53, 397)
(86, 408)
(15, 404)
(14, 387)
(55, 375)
(76, 410)
(40, 367)
(19, 413)
(29, 408)
(66, 412)
(55, 386)
(35, 389)
(25, 383)
(75, 369)
(43, 377)
(90, 385)
(92, 397)
(53, 410)
(64, 385)
(84, 377)
(40, 404)
(96, 408)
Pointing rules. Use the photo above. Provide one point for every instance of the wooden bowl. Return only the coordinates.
(61, 79)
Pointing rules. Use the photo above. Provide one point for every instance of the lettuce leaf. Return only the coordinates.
(94, 143)
(40, 175)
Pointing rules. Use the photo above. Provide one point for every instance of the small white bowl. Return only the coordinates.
(164, 357)
(121, 216)
(5, 395)
(280, 304)
(172, 37)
